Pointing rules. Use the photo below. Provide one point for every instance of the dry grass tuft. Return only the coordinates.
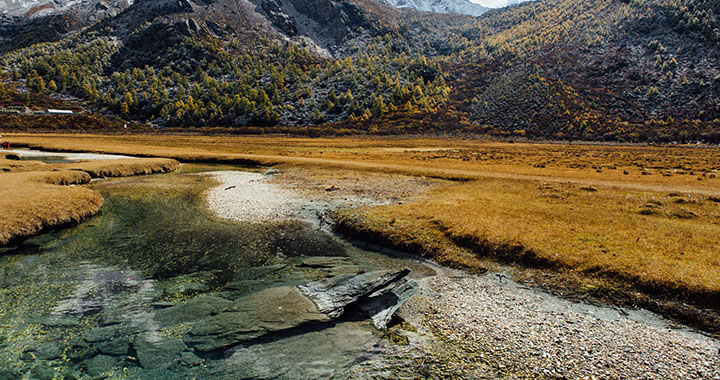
(31, 202)
(124, 167)
(34, 196)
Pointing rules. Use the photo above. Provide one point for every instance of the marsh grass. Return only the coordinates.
(35, 196)
(31, 202)
(123, 167)
(666, 245)
(454, 159)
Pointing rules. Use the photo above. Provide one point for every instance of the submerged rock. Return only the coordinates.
(57, 320)
(100, 364)
(42, 372)
(116, 347)
(254, 273)
(196, 308)
(101, 334)
(49, 351)
(154, 351)
(325, 262)
(190, 359)
(186, 289)
(332, 265)
(250, 317)
(6, 374)
(312, 355)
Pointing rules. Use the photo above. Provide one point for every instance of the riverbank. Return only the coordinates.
(36, 196)
(466, 325)
(605, 245)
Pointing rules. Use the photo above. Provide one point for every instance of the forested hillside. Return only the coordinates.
(617, 70)
(598, 69)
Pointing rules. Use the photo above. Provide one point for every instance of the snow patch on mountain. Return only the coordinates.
(440, 6)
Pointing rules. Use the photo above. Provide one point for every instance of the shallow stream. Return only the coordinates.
(115, 296)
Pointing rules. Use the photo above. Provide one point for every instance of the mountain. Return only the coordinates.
(617, 70)
(440, 6)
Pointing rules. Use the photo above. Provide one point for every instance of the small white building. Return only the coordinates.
(60, 112)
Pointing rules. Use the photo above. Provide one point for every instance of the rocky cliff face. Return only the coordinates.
(327, 22)
(149, 27)
(95, 9)
(25, 22)
(156, 24)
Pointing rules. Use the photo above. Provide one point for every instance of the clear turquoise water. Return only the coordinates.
(112, 297)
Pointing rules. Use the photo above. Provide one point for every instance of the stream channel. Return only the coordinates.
(116, 296)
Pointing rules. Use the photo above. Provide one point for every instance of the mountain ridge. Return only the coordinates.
(561, 69)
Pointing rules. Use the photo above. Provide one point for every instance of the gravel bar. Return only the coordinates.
(249, 197)
(530, 331)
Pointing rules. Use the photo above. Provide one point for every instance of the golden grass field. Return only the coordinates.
(684, 169)
(644, 216)
(35, 196)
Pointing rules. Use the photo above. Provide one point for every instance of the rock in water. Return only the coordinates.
(381, 307)
(331, 296)
(196, 308)
(155, 351)
(332, 265)
(100, 364)
(326, 262)
(115, 347)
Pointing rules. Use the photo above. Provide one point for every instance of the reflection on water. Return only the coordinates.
(115, 296)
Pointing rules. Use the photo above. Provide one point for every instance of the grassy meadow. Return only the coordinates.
(633, 217)
(649, 238)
